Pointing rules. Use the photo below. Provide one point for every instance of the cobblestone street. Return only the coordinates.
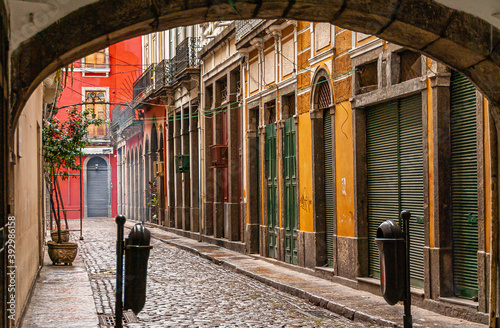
(185, 290)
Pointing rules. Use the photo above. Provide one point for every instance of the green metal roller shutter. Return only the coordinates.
(329, 184)
(464, 185)
(395, 175)
(412, 180)
(382, 172)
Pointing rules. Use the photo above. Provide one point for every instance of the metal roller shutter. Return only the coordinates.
(395, 175)
(97, 188)
(412, 180)
(329, 184)
(464, 185)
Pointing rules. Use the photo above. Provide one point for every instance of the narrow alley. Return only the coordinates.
(185, 290)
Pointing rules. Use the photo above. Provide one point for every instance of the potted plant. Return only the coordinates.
(63, 142)
(153, 192)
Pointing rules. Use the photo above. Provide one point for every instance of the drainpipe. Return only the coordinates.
(493, 304)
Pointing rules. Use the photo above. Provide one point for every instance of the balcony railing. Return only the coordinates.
(186, 55)
(144, 84)
(115, 118)
(244, 27)
(163, 74)
(127, 117)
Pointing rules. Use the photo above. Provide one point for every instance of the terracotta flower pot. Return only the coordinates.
(62, 253)
(64, 236)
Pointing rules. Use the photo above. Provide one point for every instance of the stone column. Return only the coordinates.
(439, 259)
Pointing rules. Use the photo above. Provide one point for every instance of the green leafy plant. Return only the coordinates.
(154, 201)
(63, 141)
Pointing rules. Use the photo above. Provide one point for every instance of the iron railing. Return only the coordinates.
(163, 74)
(115, 118)
(186, 55)
(144, 84)
(243, 27)
(127, 117)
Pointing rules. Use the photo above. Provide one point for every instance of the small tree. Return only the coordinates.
(63, 142)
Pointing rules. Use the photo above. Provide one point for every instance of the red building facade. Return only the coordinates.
(102, 83)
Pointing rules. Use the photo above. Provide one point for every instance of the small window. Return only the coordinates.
(95, 103)
(97, 61)
(288, 106)
(366, 77)
(410, 65)
(270, 112)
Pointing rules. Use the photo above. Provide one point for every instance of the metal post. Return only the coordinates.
(81, 201)
(405, 215)
(120, 221)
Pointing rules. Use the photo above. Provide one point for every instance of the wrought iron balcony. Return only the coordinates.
(144, 84)
(163, 74)
(115, 119)
(244, 27)
(186, 55)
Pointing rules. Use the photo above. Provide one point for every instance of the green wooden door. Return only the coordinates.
(464, 185)
(329, 185)
(272, 189)
(290, 179)
(395, 175)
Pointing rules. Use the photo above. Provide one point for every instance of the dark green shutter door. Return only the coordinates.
(412, 180)
(395, 175)
(290, 178)
(464, 185)
(382, 173)
(329, 184)
(272, 188)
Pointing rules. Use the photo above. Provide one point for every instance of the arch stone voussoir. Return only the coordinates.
(324, 11)
(417, 23)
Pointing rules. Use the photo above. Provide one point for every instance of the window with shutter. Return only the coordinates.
(95, 103)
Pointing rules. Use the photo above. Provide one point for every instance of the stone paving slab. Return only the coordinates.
(62, 298)
(351, 303)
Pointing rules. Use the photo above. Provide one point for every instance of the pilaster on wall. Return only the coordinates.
(438, 252)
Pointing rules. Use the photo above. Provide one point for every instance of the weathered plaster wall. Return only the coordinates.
(27, 197)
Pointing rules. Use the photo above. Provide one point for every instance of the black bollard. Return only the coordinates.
(120, 222)
(407, 319)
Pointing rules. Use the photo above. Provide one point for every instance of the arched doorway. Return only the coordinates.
(97, 191)
(323, 136)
